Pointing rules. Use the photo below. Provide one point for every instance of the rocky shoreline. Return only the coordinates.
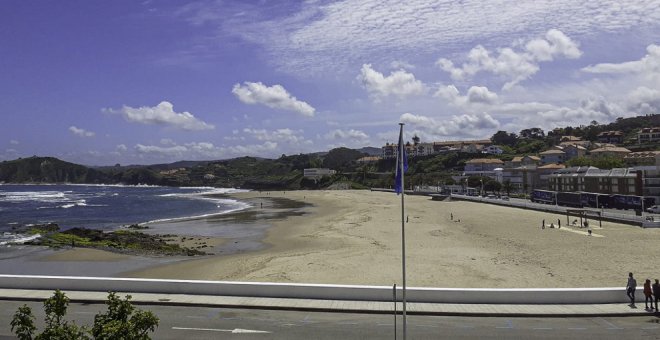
(128, 241)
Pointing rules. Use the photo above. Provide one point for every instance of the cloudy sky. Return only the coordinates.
(139, 82)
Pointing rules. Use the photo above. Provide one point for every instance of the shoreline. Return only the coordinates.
(354, 237)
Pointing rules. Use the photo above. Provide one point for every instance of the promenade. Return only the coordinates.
(345, 306)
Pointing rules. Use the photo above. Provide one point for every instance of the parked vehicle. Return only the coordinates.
(654, 209)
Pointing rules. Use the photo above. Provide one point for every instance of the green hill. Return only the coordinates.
(48, 170)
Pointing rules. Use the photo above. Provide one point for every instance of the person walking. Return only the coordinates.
(630, 289)
(648, 294)
(656, 294)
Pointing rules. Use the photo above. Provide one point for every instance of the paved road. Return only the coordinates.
(179, 322)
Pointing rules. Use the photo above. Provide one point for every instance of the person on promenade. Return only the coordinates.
(630, 289)
(648, 294)
(656, 295)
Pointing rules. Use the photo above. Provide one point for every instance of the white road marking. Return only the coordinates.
(543, 328)
(233, 331)
(577, 328)
(612, 326)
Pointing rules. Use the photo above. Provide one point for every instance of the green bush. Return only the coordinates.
(121, 321)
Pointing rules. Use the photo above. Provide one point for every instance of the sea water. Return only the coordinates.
(105, 207)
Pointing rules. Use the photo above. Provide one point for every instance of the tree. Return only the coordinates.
(507, 186)
(504, 138)
(535, 133)
(56, 327)
(121, 321)
(492, 185)
(339, 158)
(23, 323)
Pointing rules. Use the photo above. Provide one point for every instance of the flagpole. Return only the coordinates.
(403, 226)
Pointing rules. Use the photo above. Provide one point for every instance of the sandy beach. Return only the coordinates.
(354, 237)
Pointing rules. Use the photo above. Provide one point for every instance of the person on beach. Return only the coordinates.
(648, 294)
(630, 289)
(543, 224)
(451, 216)
(656, 294)
(558, 223)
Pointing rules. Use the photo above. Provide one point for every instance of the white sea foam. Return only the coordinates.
(233, 205)
(38, 196)
(7, 238)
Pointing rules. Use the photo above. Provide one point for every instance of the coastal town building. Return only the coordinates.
(425, 149)
(482, 166)
(572, 151)
(642, 158)
(368, 159)
(493, 150)
(610, 151)
(624, 181)
(552, 156)
(543, 173)
(648, 135)
(612, 137)
(522, 161)
(318, 173)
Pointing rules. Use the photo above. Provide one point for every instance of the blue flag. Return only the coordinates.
(401, 151)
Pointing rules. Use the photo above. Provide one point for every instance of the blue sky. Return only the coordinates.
(140, 82)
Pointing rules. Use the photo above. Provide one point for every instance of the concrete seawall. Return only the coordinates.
(319, 291)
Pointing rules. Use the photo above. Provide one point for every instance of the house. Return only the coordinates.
(481, 165)
(648, 135)
(610, 151)
(572, 151)
(612, 137)
(493, 150)
(389, 151)
(318, 173)
(422, 149)
(642, 158)
(570, 139)
(552, 156)
(368, 159)
(523, 161)
(583, 143)
(522, 178)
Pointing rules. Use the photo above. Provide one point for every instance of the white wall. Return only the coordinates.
(318, 291)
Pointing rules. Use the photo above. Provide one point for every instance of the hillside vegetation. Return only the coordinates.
(286, 172)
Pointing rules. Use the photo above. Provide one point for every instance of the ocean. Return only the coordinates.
(106, 207)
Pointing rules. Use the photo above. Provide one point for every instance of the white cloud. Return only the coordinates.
(162, 114)
(13, 142)
(278, 135)
(511, 65)
(466, 125)
(475, 95)
(121, 148)
(399, 83)
(644, 100)
(350, 135)
(81, 132)
(324, 37)
(272, 96)
(650, 63)
(400, 64)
